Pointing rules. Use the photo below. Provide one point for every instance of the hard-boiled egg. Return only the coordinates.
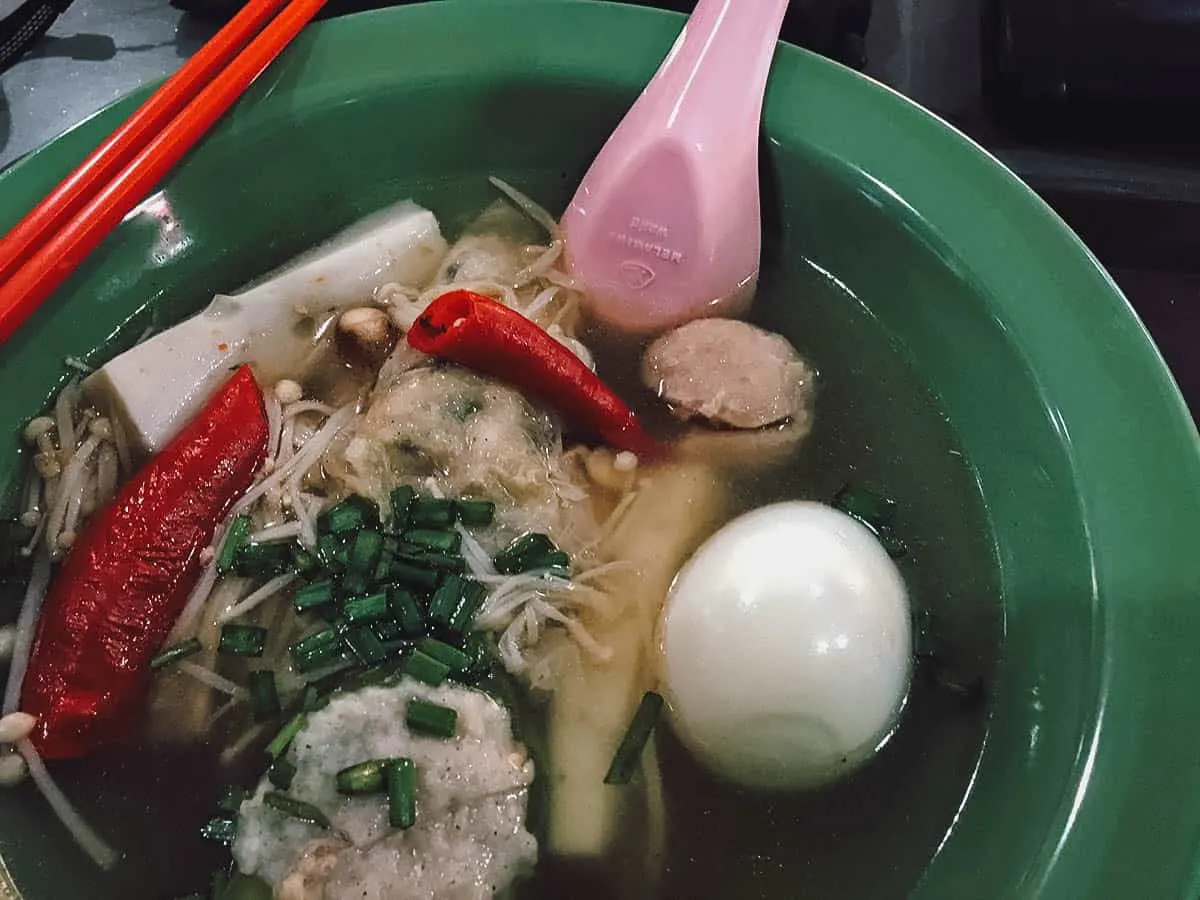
(786, 643)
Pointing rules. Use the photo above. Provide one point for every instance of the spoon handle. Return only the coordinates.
(665, 224)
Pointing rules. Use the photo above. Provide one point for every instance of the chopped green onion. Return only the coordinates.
(629, 751)
(221, 829)
(517, 556)
(242, 640)
(402, 792)
(427, 669)
(231, 800)
(476, 513)
(175, 653)
(313, 595)
(434, 539)
(264, 696)
(432, 512)
(286, 735)
(473, 595)
(263, 560)
(318, 648)
(402, 500)
(413, 576)
(281, 773)
(364, 644)
(445, 601)
(235, 539)
(431, 719)
(361, 778)
(295, 809)
(351, 514)
(406, 612)
(456, 659)
(365, 610)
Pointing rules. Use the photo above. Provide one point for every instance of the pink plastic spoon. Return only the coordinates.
(665, 225)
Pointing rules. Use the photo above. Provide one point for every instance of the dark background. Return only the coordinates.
(1095, 103)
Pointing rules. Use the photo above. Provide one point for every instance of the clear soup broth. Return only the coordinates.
(870, 835)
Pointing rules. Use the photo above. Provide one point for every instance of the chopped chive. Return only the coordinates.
(365, 645)
(876, 512)
(371, 677)
(295, 809)
(361, 778)
(432, 512)
(402, 500)
(516, 557)
(427, 669)
(365, 610)
(413, 575)
(313, 699)
(328, 546)
(350, 515)
(286, 735)
(431, 719)
(175, 653)
(313, 595)
(402, 792)
(434, 539)
(231, 800)
(554, 560)
(242, 640)
(281, 773)
(473, 595)
(432, 559)
(362, 557)
(264, 696)
(476, 513)
(235, 539)
(263, 560)
(865, 505)
(629, 751)
(387, 629)
(479, 648)
(456, 659)
(318, 648)
(244, 887)
(445, 600)
(304, 562)
(220, 829)
(406, 612)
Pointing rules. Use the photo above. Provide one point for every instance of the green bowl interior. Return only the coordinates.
(1080, 446)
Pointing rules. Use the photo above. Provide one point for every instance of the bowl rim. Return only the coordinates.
(1163, 504)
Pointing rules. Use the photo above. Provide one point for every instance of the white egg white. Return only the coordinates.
(787, 647)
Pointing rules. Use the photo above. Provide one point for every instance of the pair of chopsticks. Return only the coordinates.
(46, 246)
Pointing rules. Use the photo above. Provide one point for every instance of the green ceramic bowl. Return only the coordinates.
(1082, 451)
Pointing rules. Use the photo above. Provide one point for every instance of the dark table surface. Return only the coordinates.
(1141, 217)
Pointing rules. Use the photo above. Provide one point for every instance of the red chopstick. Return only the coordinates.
(106, 160)
(81, 212)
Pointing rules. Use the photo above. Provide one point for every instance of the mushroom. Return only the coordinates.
(365, 335)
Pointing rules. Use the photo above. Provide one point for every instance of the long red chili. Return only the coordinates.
(485, 335)
(128, 575)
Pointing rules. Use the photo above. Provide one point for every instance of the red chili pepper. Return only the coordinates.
(485, 335)
(128, 575)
